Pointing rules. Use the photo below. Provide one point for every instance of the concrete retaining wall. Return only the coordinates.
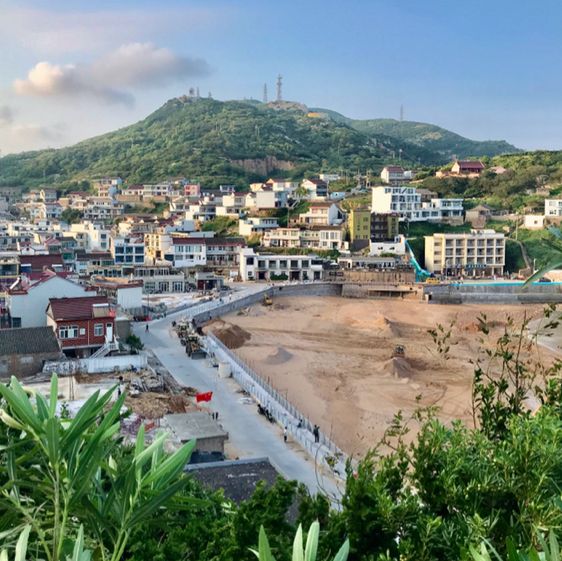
(501, 293)
(211, 310)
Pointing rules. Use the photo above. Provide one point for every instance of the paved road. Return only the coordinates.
(250, 435)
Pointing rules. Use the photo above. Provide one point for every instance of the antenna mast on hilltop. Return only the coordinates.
(265, 93)
(279, 88)
(401, 113)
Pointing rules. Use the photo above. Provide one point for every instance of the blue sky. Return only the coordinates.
(487, 70)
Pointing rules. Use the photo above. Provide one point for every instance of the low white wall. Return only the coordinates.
(96, 365)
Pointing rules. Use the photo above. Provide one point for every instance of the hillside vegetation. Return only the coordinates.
(234, 141)
(431, 137)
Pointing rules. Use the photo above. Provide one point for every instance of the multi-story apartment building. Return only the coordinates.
(185, 252)
(48, 195)
(384, 226)
(90, 236)
(322, 214)
(192, 189)
(127, 248)
(478, 253)
(406, 201)
(253, 225)
(271, 266)
(108, 186)
(313, 237)
(442, 209)
(394, 175)
(156, 190)
(359, 224)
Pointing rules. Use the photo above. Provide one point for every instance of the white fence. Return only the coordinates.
(284, 412)
(96, 365)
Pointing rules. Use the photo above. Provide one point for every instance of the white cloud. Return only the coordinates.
(51, 80)
(110, 77)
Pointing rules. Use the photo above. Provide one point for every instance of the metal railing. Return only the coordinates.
(282, 410)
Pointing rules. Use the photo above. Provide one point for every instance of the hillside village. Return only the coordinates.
(123, 243)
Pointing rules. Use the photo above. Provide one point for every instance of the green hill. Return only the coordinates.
(214, 142)
(436, 139)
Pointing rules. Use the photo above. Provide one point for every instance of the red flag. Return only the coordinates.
(203, 396)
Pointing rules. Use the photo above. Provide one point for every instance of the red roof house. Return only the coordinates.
(83, 324)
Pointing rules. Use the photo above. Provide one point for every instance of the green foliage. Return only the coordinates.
(223, 142)
(514, 261)
(61, 473)
(426, 137)
(71, 215)
(134, 342)
(221, 225)
(300, 553)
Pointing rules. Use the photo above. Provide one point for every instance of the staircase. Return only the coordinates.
(108, 347)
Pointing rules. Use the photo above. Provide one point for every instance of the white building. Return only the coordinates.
(406, 201)
(327, 177)
(533, 221)
(127, 249)
(90, 236)
(316, 189)
(553, 207)
(271, 266)
(393, 175)
(27, 304)
(478, 253)
(256, 225)
(186, 252)
(322, 213)
(156, 190)
(394, 247)
(314, 237)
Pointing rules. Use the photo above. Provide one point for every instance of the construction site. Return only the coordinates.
(351, 365)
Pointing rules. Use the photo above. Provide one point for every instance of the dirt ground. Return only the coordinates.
(333, 358)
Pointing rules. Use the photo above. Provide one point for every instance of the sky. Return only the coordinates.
(486, 69)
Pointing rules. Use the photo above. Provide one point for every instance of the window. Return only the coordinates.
(98, 330)
(68, 332)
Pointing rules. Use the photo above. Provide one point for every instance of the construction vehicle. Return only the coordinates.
(399, 351)
(190, 339)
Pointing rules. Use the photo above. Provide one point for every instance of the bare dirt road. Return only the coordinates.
(333, 358)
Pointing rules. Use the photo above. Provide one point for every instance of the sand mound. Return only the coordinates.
(398, 367)
(280, 356)
(381, 323)
(232, 336)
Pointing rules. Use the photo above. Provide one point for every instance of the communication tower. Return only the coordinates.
(279, 88)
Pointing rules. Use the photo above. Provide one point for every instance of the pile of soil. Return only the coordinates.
(279, 357)
(150, 405)
(232, 336)
(382, 324)
(398, 367)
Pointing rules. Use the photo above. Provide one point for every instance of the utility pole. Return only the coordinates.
(265, 93)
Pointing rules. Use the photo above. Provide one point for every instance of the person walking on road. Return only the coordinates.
(316, 433)
(285, 434)
(146, 328)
